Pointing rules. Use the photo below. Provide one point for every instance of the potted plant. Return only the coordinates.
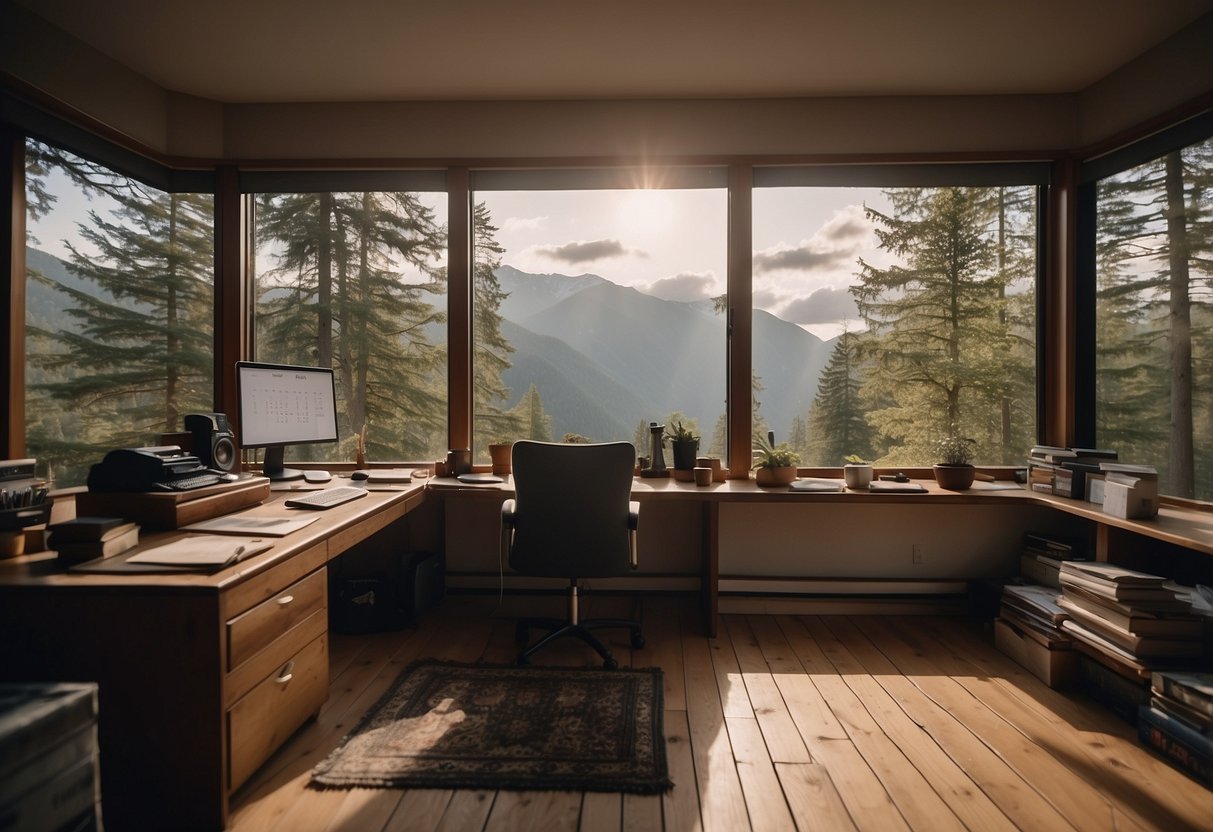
(954, 471)
(774, 465)
(499, 454)
(857, 472)
(684, 443)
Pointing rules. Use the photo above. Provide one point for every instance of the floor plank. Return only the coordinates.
(782, 722)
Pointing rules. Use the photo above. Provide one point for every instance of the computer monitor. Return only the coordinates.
(283, 405)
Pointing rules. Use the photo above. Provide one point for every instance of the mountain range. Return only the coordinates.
(604, 357)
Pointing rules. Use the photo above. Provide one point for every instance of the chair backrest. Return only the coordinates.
(571, 508)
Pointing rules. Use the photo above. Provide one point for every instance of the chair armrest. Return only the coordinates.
(508, 516)
(633, 522)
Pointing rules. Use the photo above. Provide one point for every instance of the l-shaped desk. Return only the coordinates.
(203, 676)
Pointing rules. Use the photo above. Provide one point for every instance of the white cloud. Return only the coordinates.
(826, 305)
(834, 244)
(583, 251)
(687, 287)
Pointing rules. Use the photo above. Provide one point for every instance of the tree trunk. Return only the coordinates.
(324, 281)
(1181, 461)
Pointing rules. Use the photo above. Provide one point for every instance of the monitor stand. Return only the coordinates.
(274, 469)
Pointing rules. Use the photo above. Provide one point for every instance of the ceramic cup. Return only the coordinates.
(459, 460)
(857, 476)
(441, 469)
(703, 475)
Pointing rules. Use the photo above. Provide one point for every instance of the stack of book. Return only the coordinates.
(1028, 629)
(1178, 723)
(1128, 617)
(88, 538)
(1043, 555)
(1067, 472)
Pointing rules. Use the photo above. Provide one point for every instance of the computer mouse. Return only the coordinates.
(360, 475)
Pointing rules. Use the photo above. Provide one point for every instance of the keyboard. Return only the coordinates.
(190, 483)
(327, 497)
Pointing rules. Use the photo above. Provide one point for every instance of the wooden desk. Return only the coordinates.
(1188, 531)
(201, 676)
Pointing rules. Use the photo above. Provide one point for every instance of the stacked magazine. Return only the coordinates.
(1131, 617)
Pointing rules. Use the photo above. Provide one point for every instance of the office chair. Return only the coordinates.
(571, 518)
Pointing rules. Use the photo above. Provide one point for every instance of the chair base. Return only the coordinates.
(559, 628)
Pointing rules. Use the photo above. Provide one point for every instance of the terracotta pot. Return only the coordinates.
(775, 477)
(501, 458)
(954, 477)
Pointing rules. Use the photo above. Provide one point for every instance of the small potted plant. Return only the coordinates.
(684, 443)
(955, 470)
(857, 472)
(774, 465)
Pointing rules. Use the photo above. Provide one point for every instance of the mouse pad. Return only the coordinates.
(479, 478)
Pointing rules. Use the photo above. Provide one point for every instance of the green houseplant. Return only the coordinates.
(774, 465)
(684, 443)
(955, 470)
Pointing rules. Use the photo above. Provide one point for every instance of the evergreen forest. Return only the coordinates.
(120, 332)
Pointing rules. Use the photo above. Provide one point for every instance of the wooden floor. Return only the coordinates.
(782, 722)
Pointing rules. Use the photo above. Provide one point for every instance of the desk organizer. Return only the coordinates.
(174, 509)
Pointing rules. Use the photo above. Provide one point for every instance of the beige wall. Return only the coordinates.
(179, 125)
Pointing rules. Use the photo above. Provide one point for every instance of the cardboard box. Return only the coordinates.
(1056, 668)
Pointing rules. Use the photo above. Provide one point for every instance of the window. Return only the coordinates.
(1154, 316)
(886, 318)
(596, 306)
(119, 311)
(356, 280)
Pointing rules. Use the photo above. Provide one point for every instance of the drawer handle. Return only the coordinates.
(285, 599)
(286, 675)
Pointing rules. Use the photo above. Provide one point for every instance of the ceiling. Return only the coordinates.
(398, 50)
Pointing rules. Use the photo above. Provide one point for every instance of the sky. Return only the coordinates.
(668, 243)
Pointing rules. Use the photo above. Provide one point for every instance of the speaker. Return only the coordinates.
(214, 444)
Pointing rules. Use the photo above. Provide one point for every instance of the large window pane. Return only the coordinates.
(119, 311)
(596, 312)
(356, 281)
(885, 319)
(1154, 317)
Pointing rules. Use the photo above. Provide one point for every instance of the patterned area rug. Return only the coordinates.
(447, 725)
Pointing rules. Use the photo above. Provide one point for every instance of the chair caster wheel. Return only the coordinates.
(610, 664)
(522, 661)
(637, 641)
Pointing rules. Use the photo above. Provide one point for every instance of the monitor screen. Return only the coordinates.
(283, 405)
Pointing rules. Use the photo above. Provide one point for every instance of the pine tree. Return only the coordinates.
(935, 338)
(337, 298)
(490, 349)
(1154, 339)
(138, 354)
(838, 424)
(535, 423)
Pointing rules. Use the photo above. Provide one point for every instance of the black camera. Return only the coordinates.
(214, 443)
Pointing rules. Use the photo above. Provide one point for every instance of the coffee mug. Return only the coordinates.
(703, 475)
(459, 460)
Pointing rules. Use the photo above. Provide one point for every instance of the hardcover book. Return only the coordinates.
(1188, 750)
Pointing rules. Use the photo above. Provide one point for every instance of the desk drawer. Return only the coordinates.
(269, 713)
(252, 631)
